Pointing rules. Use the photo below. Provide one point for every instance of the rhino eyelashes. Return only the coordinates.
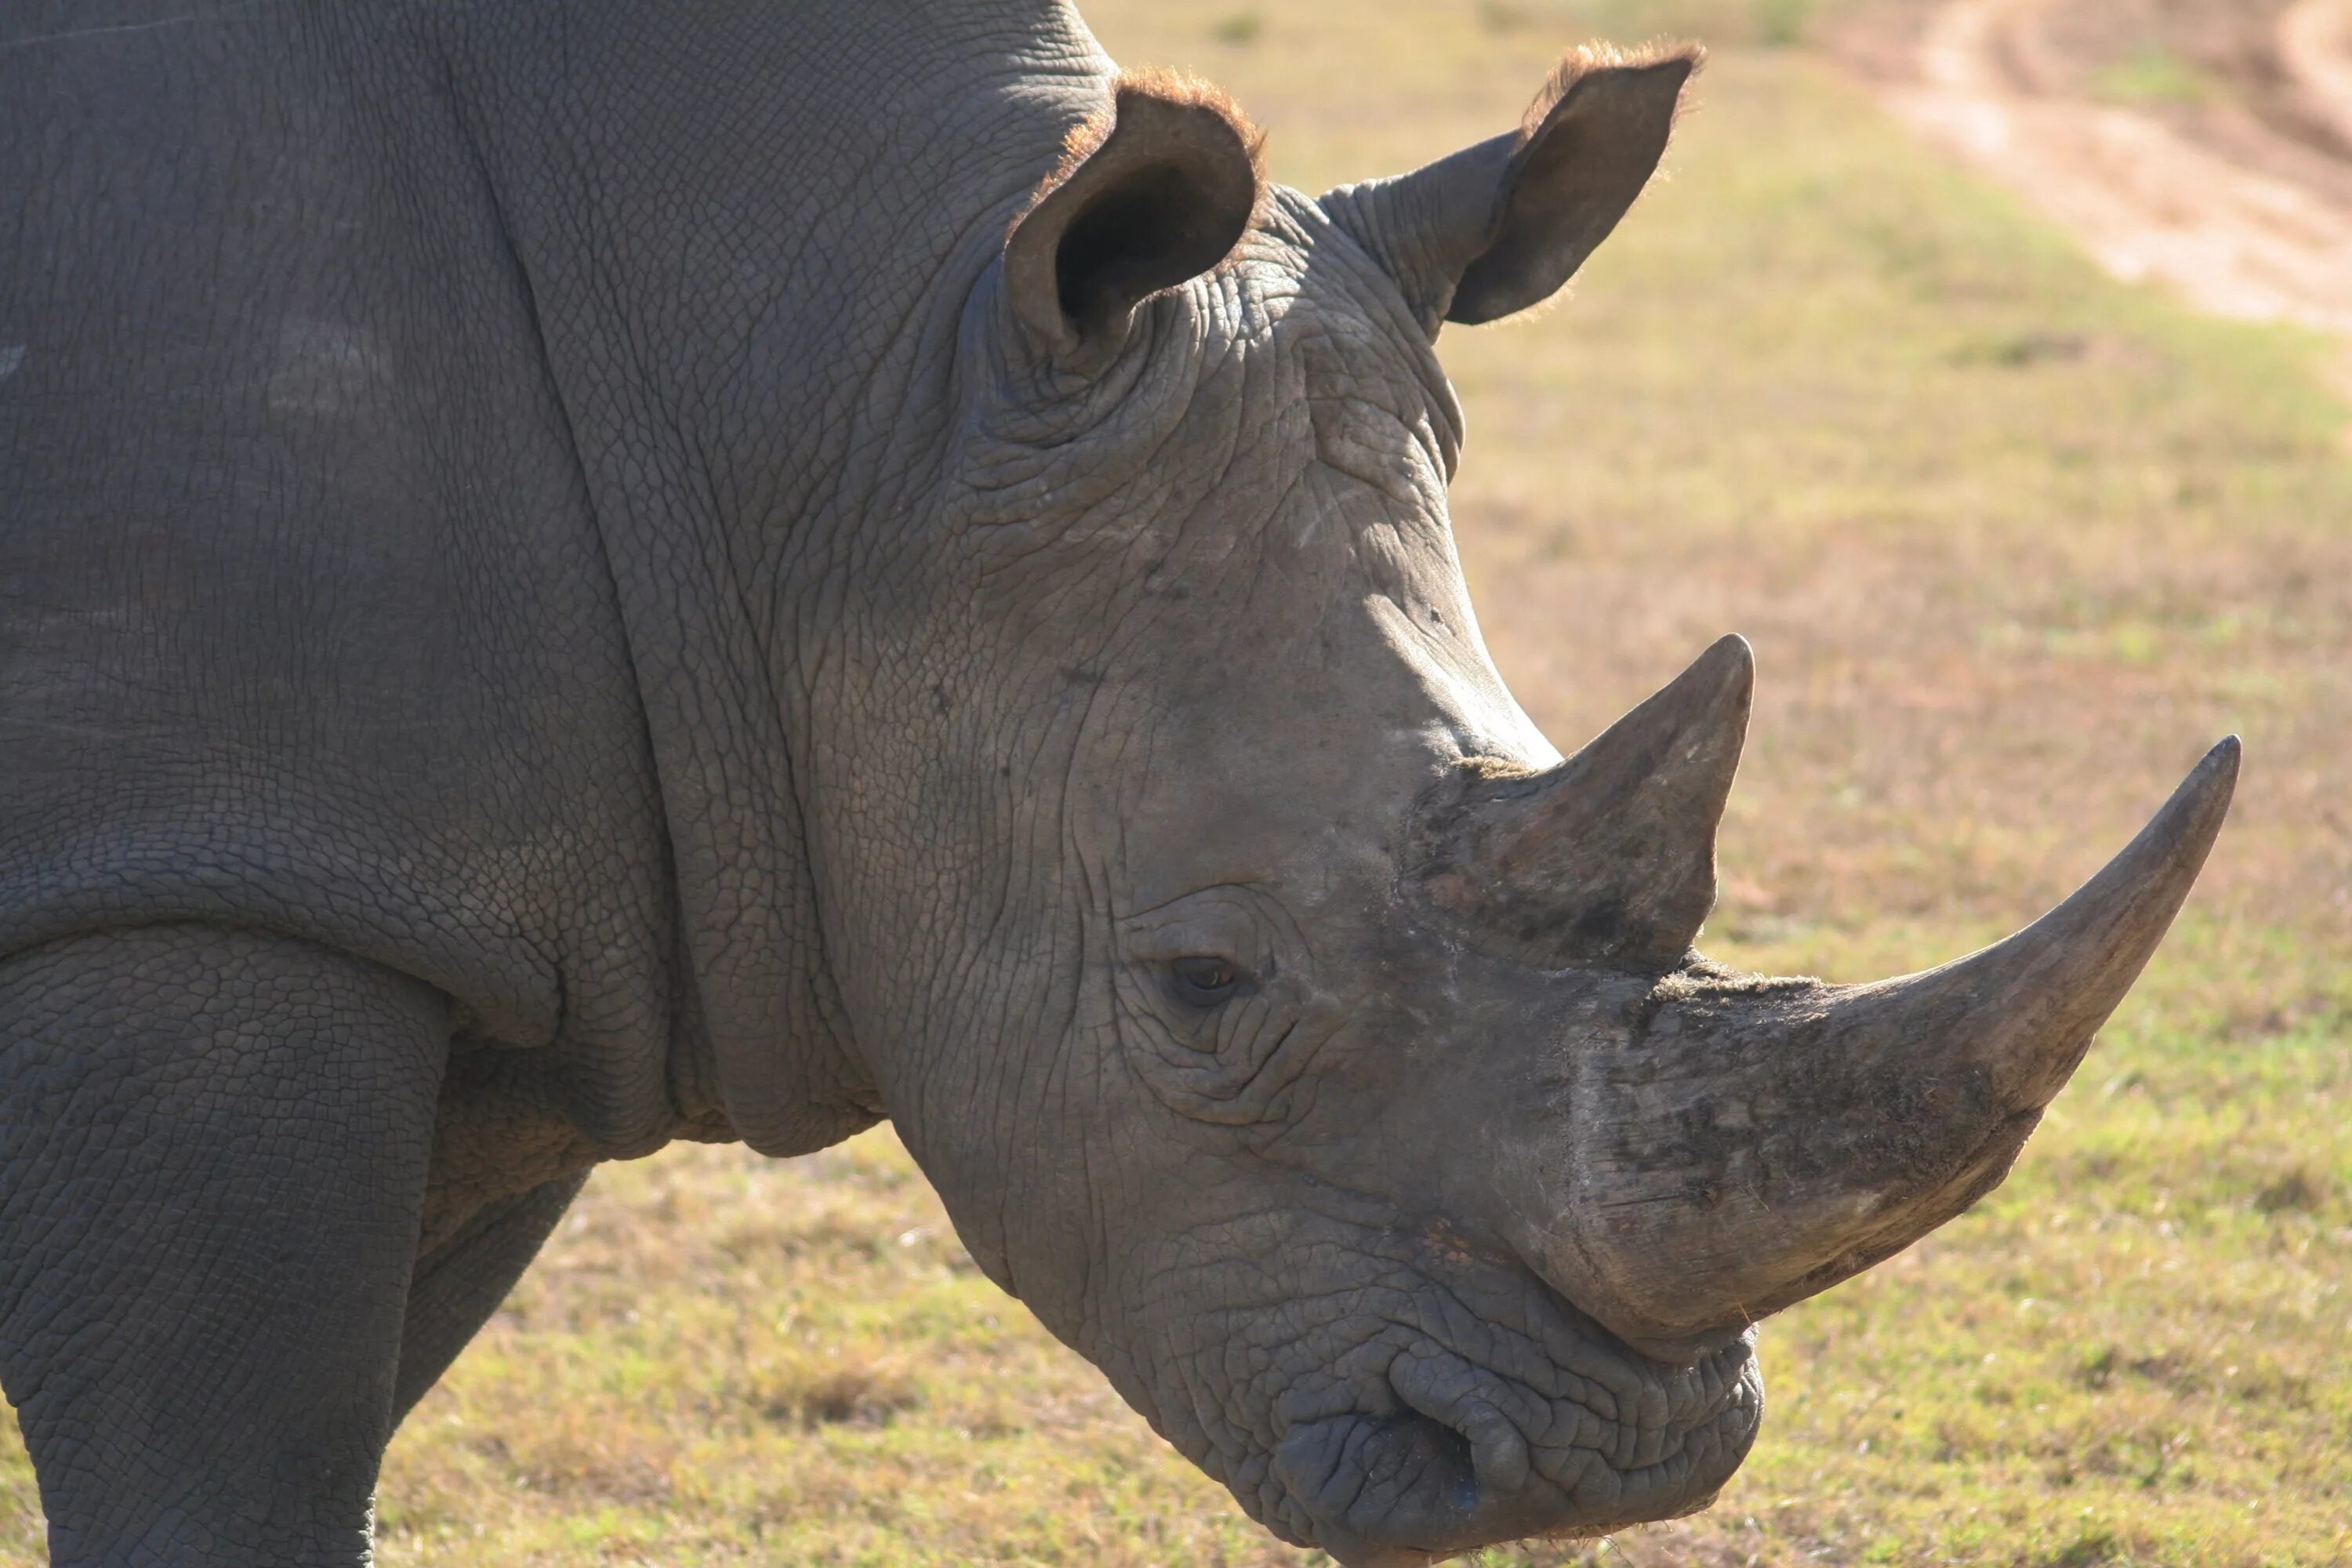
(1609, 859)
(1203, 981)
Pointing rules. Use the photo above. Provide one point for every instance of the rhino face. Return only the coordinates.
(1304, 1040)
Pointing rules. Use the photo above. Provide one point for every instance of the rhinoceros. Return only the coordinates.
(579, 575)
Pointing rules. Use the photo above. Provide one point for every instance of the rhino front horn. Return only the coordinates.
(1607, 859)
(1759, 1141)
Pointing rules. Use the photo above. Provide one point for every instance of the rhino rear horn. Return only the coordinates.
(1501, 225)
(1607, 859)
(1150, 195)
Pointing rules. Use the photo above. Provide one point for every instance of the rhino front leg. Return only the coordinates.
(213, 1152)
(460, 1283)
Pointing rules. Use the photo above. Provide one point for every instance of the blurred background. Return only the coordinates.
(1985, 363)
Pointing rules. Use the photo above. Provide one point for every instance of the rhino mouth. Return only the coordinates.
(1456, 1455)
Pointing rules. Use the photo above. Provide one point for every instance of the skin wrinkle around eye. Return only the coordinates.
(1229, 1064)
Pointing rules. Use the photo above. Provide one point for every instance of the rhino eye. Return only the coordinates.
(1203, 981)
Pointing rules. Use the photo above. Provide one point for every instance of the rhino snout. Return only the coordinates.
(1470, 1458)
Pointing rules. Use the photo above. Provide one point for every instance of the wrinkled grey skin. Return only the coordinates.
(555, 597)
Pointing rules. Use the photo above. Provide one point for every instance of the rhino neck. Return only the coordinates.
(747, 244)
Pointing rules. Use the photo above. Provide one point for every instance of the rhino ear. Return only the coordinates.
(1499, 227)
(1155, 192)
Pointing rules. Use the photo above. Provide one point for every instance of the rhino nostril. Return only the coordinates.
(1447, 1391)
(1498, 1450)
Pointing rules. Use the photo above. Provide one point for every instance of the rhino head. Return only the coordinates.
(1279, 1015)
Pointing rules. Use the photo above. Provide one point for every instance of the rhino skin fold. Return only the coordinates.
(573, 575)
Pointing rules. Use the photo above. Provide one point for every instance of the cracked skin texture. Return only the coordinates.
(569, 585)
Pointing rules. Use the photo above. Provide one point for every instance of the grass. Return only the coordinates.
(2152, 75)
(2015, 543)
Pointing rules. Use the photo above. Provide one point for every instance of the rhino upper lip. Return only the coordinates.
(1682, 1353)
(1670, 1355)
(1497, 1462)
(1484, 1504)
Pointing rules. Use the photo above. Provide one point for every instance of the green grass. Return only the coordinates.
(2014, 544)
(2152, 75)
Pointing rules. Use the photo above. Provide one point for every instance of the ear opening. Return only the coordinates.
(1152, 193)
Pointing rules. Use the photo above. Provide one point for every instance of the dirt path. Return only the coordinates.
(2315, 44)
(2232, 228)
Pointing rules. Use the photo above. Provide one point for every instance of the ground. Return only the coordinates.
(2207, 143)
(2015, 543)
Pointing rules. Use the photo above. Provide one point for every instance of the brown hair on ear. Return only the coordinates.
(1156, 189)
(1171, 87)
(1586, 59)
(1500, 225)
(1586, 147)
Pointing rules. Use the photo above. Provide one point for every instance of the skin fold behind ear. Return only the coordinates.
(1151, 194)
(1500, 226)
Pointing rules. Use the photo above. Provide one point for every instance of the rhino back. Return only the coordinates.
(303, 619)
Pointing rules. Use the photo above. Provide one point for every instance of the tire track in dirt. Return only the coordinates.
(2148, 200)
(2314, 46)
